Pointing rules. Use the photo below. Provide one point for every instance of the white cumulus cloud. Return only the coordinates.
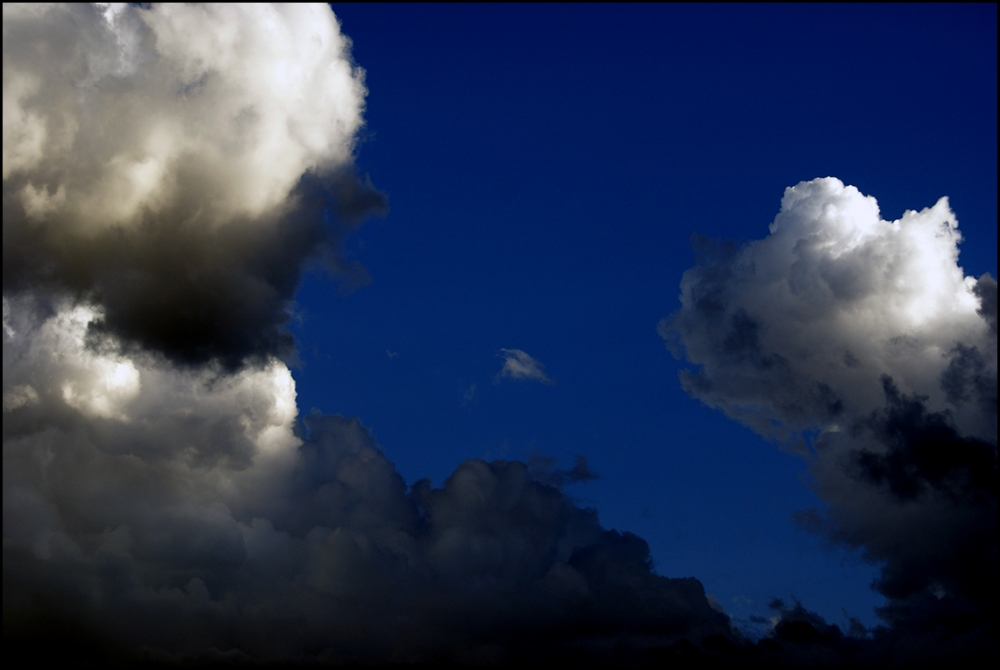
(518, 364)
(794, 331)
(867, 334)
(175, 164)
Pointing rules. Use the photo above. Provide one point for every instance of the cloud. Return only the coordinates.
(866, 334)
(182, 509)
(168, 172)
(519, 365)
(176, 166)
(543, 469)
(794, 331)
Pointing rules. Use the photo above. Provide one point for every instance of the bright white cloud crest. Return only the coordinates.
(178, 165)
(799, 327)
(239, 100)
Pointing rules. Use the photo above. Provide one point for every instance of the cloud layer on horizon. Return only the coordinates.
(181, 510)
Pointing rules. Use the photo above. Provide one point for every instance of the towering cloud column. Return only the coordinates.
(866, 334)
(167, 172)
(173, 167)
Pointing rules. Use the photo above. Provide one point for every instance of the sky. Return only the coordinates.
(461, 330)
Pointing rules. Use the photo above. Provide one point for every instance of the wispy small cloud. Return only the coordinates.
(545, 470)
(518, 364)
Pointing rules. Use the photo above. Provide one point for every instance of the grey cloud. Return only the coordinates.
(929, 481)
(161, 500)
(185, 510)
(986, 290)
(969, 378)
(868, 333)
(491, 565)
(920, 500)
(792, 332)
(923, 448)
(152, 169)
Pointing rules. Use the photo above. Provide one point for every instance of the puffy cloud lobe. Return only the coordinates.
(248, 98)
(518, 364)
(794, 331)
(192, 513)
(868, 332)
(175, 165)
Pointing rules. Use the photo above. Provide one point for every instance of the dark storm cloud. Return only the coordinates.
(193, 292)
(168, 173)
(924, 450)
(326, 553)
(153, 167)
(928, 515)
(986, 290)
(968, 378)
(869, 333)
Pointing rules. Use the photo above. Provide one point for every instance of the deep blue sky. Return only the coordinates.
(546, 167)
